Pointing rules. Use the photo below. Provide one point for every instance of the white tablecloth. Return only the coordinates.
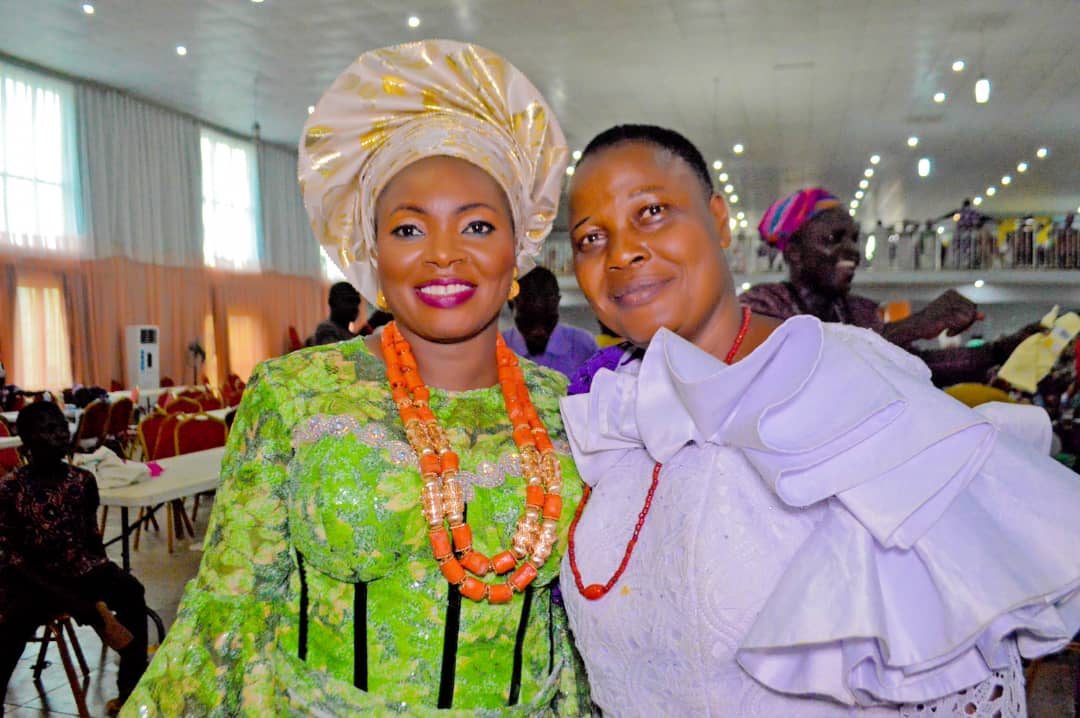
(181, 476)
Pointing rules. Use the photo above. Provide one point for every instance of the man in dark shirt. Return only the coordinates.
(52, 559)
(344, 303)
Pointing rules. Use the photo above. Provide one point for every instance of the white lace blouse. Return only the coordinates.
(830, 536)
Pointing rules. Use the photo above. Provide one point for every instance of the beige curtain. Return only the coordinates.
(42, 359)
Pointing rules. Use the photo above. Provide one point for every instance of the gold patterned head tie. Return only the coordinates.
(400, 104)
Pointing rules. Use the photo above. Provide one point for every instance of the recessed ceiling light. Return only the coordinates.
(863, 184)
(924, 167)
(958, 66)
(310, 109)
(941, 230)
(576, 154)
(851, 212)
(88, 8)
(728, 188)
(939, 97)
(414, 21)
(991, 191)
(1022, 167)
(746, 285)
(738, 149)
(854, 204)
(740, 216)
(256, 1)
(977, 201)
(717, 165)
(734, 199)
(1006, 179)
(913, 141)
(181, 50)
(1041, 153)
(869, 172)
(744, 224)
(874, 159)
(859, 195)
(982, 90)
(979, 284)
(723, 176)
(570, 170)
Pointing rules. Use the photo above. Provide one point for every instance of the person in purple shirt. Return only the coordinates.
(537, 334)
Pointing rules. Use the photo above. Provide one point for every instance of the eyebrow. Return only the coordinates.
(634, 194)
(460, 210)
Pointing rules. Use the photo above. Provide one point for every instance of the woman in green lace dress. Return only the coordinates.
(430, 171)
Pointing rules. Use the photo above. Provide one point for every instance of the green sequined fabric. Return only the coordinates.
(318, 467)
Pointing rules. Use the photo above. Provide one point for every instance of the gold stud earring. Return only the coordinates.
(515, 288)
(380, 301)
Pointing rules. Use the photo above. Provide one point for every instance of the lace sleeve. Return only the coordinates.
(999, 696)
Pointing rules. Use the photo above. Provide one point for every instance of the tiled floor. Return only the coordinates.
(165, 575)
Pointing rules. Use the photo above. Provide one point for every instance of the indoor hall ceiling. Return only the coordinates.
(812, 88)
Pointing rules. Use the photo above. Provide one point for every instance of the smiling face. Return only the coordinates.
(648, 244)
(445, 244)
(824, 253)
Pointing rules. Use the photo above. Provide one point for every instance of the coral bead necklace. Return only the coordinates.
(442, 498)
(596, 591)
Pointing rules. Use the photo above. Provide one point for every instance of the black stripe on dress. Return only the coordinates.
(301, 650)
(519, 647)
(360, 647)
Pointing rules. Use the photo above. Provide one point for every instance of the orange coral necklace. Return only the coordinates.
(442, 499)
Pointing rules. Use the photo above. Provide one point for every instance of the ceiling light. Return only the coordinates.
(738, 149)
(310, 109)
(941, 230)
(576, 154)
(979, 284)
(1006, 179)
(717, 165)
(88, 8)
(851, 212)
(746, 285)
(744, 224)
(863, 184)
(256, 1)
(982, 90)
(939, 97)
(958, 66)
(854, 204)
(723, 176)
(869, 172)
(1022, 167)
(732, 223)
(181, 50)
(991, 191)
(1041, 153)
(874, 159)
(977, 201)
(913, 141)
(741, 215)
(859, 194)
(924, 167)
(734, 199)
(414, 21)
(728, 188)
(570, 170)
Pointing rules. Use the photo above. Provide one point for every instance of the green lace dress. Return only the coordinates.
(317, 522)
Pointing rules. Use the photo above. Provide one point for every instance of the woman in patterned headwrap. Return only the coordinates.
(331, 584)
(820, 244)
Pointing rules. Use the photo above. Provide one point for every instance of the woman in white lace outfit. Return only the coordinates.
(788, 519)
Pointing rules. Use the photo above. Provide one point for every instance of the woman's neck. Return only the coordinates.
(453, 366)
(719, 335)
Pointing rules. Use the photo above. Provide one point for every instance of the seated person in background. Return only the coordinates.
(344, 303)
(820, 243)
(52, 559)
(378, 319)
(537, 333)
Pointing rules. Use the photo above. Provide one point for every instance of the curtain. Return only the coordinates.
(39, 188)
(229, 202)
(289, 247)
(141, 179)
(42, 359)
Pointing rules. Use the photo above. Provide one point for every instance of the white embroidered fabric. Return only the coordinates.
(1000, 696)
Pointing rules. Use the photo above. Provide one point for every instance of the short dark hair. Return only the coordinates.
(539, 282)
(343, 292)
(31, 416)
(662, 137)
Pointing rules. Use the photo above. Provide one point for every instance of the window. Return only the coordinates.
(42, 347)
(229, 192)
(38, 188)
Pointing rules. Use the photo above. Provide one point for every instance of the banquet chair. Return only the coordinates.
(9, 458)
(199, 432)
(167, 381)
(182, 405)
(92, 424)
(55, 630)
(114, 385)
(295, 342)
(233, 390)
(209, 402)
(165, 448)
(117, 438)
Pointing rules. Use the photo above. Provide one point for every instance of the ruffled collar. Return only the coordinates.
(816, 411)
